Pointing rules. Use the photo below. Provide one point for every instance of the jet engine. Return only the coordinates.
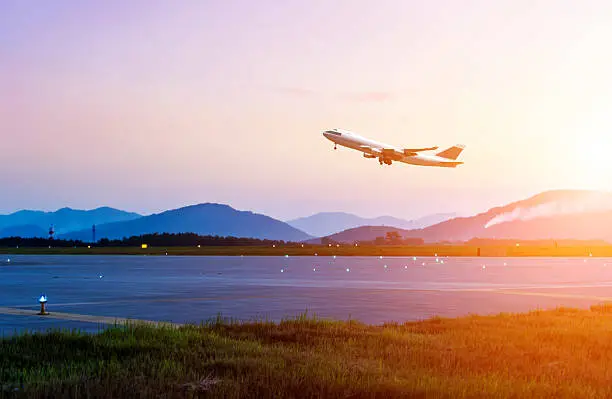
(369, 156)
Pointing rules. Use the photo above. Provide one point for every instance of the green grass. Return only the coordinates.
(560, 353)
(343, 250)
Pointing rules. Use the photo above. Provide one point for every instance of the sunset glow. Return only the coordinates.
(306, 198)
(155, 105)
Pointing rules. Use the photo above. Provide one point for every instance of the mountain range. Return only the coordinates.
(28, 223)
(203, 219)
(561, 214)
(326, 223)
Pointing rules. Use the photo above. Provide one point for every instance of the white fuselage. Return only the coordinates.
(376, 149)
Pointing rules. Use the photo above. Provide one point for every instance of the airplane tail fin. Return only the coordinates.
(452, 153)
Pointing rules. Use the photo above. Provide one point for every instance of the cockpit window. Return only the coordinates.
(334, 133)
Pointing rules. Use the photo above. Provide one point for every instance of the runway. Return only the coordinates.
(89, 291)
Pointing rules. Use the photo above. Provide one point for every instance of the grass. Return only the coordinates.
(559, 353)
(342, 250)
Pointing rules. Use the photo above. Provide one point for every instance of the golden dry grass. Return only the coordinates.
(560, 353)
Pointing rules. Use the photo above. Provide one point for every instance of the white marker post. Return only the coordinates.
(42, 300)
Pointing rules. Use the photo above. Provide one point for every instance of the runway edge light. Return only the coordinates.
(43, 300)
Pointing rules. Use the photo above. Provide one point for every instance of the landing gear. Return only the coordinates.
(381, 160)
(335, 146)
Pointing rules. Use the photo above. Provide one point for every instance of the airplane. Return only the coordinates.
(386, 154)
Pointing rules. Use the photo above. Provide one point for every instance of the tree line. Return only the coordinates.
(390, 238)
(153, 240)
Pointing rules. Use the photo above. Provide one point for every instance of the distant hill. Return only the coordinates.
(326, 223)
(562, 214)
(25, 230)
(203, 219)
(433, 219)
(551, 214)
(64, 220)
(357, 234)
(584, 226)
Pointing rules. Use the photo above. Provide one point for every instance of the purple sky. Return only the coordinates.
(150, 105)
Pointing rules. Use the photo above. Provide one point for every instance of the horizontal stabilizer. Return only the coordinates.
(451, 153)
(413, 150)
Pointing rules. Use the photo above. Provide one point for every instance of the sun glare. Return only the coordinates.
(593, 167)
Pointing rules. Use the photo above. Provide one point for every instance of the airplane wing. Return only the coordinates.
(394, 153)
(370, 149)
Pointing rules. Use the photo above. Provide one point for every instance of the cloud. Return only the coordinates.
(370, 96)
(365, 96)
(297, 92)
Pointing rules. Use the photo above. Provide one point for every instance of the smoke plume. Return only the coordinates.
(554, 208)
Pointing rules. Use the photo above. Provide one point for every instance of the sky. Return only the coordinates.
(152, 105)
